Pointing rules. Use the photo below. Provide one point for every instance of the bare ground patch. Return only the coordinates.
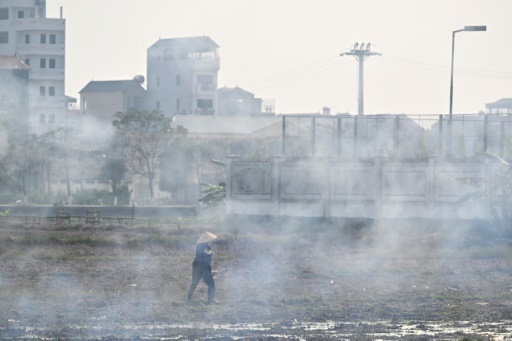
(94, 282)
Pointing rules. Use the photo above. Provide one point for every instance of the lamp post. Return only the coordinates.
(466, 28)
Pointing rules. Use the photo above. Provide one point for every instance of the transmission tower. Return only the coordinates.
(361, 53)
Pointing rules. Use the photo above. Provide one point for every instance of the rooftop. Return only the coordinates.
(12, 62)
(106, 86)
(501, 103)
(235, 90)
(198, 44)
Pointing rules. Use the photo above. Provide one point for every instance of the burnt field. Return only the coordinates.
(318, 281)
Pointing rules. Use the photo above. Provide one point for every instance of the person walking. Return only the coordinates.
(201, 266)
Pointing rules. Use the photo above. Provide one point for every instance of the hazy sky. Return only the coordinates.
(288, 50)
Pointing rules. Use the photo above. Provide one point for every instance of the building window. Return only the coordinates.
(53, 39)
(135, 102)
(52, 63)
(178, 80)
(205, 82)
(27, 38)
(51, 91)
(51, 119)
(42, 118)
(205, 104)
(157, 81)
(43, 38)
(42, 91)
(4, 13)
(204, 107)
(27, 61)
(4, 37)
(205, 79)
(168, 54)
(42, 63)
(21, 14)
(178, 103)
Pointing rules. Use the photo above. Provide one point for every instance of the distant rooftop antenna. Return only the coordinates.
(361, 53)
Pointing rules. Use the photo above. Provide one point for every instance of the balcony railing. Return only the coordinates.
(47, 101)
(41, 49)
(49, 74)
(206, 63)
(204, 111)
(38, 24)
(206, 88)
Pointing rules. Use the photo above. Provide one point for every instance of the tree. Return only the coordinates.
(113, 170)
(146, 134)
(114, 167)
(35, 157)
(7, 181)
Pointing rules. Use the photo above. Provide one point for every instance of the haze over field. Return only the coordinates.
(289, 51)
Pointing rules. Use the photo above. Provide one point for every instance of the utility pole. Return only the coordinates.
(361, 53)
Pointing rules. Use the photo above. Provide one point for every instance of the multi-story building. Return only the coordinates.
(14, 98)
(40, 43)
(182, 76)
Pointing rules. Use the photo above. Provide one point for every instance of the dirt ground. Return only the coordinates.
(322, 281)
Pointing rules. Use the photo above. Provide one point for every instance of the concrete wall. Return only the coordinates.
(426, 188)
(103, 211)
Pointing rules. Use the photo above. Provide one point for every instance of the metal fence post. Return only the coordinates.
(440, 134)
(354, 151)
(313, 136)
(502, 138)
(339, 146)
(396, 132)
(283, 133)
(486, 132)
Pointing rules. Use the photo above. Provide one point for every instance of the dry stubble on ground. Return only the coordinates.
(60, 279)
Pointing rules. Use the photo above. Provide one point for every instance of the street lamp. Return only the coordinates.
(466, 28)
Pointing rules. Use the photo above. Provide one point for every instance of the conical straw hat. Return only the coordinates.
(206, 237)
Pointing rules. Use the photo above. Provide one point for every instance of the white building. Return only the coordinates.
(237, 101)
(40, 43)
(182, 76)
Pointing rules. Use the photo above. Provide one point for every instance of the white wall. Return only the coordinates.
(375, 189)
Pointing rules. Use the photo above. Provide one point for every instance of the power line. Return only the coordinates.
(293, 78)
(296, 72)
(444, 69)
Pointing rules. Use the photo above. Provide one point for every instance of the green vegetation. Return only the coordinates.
(213, 195)
(4, 215)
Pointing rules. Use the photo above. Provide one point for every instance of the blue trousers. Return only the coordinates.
(204, 272)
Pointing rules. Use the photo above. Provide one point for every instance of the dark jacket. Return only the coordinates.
(202, 257)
